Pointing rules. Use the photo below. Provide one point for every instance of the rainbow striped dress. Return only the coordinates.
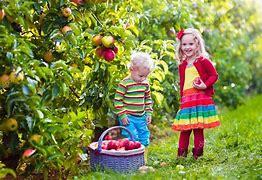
(133, 98)
(197, 110)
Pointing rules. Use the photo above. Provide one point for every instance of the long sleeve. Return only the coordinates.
(118, 101)
(148, 101)
(213, 75)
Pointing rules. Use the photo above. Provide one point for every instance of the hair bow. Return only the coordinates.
(180, 34)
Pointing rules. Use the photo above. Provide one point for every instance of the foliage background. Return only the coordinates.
(73, 93)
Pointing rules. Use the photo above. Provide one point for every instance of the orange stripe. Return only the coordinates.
(195, 126)
(191, 91)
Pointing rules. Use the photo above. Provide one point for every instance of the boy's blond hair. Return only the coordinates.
(141, 59)
(199, 40)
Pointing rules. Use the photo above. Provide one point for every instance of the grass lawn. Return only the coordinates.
(232, 151)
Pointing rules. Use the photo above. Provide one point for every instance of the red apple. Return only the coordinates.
(123, 142)
(108, 41)
(108, 137)
(113, 144)
(77, 1)
(28, 152)
(66, 29)
(66, 12)
(130, 145)
(115, 49)
(137, 144)
(99, 52)
(104, 146)
(2, 14)
(109, 55)
(172, 32)
(197, 80)
(97, 39)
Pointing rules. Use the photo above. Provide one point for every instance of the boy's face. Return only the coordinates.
(139, 74)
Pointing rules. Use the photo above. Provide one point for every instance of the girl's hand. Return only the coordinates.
(199, 84)
(148, 119)
(125, 121)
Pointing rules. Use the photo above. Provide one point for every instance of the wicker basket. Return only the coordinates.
(120, 161)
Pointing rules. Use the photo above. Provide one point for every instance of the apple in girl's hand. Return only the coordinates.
(197, 81)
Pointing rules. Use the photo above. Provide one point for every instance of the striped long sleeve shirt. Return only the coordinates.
(132, 98)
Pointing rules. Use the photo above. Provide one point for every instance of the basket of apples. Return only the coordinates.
(122, 155)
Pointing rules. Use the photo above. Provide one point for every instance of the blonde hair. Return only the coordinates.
(199, 39)
(141, 59)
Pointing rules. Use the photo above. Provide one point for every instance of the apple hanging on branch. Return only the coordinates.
(109, 54)
(108, 41)
(66, 12)
(2, 14)
(97, 39)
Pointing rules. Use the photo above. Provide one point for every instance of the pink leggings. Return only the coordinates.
(198, 139)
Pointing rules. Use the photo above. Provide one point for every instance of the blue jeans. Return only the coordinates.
(138, 128)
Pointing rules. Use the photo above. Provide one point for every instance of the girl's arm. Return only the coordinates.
(118, 101)
(210, 69)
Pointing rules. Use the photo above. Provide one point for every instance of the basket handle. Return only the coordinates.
(99, 148)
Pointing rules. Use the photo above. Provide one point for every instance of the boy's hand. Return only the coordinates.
(148, 119)
(125, 121)
(199, 84)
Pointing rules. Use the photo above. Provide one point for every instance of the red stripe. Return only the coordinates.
(123, 112)
(119, 107)
(122, 86)
(120, 93)
(190, 104)
(148, 103)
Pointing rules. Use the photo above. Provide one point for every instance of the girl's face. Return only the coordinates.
(189, 46)
(139, 73)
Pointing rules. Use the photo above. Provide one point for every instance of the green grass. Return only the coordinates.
(232, 151)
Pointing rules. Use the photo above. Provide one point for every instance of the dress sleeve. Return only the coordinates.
(211, 71)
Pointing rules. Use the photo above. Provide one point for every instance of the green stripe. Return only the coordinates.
(199, 114)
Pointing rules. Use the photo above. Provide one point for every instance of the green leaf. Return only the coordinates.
(30, 123)
(55, 91)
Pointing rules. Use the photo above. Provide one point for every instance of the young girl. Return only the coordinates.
(197, 77)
